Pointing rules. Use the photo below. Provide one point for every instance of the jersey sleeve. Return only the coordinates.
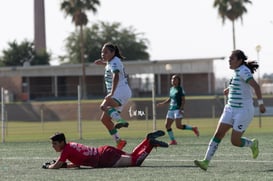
(64, 155)
(114, 67)
(246, 74)
(182, 91)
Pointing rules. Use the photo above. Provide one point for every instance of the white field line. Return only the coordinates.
(217, 155)
(214, 160)
(26, 158)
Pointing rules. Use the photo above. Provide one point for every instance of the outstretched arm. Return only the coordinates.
(100, 62)
(258, 93)
(55, 165)
(164, 102)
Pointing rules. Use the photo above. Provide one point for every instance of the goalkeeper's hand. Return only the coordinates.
(46, 164)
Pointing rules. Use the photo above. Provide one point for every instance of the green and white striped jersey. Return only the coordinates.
(114, 66)
(240, 92)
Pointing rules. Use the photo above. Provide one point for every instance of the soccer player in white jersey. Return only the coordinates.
(118, 91)
(239, 110)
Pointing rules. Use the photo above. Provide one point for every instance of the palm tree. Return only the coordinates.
(77, 10)
(231, 9)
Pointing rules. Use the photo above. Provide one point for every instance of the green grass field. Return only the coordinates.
(27, 147)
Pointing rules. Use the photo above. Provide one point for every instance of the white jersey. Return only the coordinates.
(115, 65)
(240, 92)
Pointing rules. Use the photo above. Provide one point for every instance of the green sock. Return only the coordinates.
(187, 127)
(171, 135)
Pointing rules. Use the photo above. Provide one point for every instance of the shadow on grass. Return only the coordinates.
(170, 166)
(152, 166)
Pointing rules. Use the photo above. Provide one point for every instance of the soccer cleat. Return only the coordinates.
(121, 123)
(155, 134)
(203, 164)
(157, 143)
(255, 148)
(173, 142)
(121, 144)
(196, 131)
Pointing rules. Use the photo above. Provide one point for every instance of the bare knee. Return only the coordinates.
(102, 107)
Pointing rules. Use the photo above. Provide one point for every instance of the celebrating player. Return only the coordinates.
(175, 113)
(239, 110)
(101, 157)
(118, 91)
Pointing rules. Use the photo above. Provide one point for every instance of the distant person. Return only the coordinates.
(118, 91)
(239, 111)
(175, 112)
(100, 157)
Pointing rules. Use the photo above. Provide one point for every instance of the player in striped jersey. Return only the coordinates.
(118, 91)
(239, 110)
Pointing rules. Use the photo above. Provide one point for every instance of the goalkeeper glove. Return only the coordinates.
(46, 164)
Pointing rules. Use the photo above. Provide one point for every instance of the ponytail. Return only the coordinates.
(252, 65)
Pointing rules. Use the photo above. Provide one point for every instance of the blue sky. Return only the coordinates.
(180, 29)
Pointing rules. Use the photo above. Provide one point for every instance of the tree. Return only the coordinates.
(23, 54)
(132, 44)
(231, 9)
(77, 10)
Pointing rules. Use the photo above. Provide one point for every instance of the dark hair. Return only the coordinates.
(178, 78)
(252, 65)
(58, 137)
(114, 48)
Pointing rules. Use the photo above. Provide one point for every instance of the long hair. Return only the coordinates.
(252, 65)
(178, 78)
(114, 48)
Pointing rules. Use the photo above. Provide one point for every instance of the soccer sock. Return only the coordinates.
(114, 134)
(212, 147)
(187, 127)
(171, 135)
(141, 152)
(245, 142)
(113, 113)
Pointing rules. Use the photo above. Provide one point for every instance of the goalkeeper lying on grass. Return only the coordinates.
(101, 157)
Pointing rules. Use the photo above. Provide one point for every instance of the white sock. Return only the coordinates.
(246, 142)
(212, 148)
(113, 113)
(116, 137)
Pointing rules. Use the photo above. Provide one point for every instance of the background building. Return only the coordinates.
(60, 82)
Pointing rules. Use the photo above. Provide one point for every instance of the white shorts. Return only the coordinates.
(238, 118)
(122, 95)
(174, 114)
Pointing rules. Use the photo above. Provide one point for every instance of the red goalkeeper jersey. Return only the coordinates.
(79, 154)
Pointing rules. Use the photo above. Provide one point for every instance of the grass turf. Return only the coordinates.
(27, 147)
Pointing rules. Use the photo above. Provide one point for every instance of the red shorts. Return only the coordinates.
(109, 156)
